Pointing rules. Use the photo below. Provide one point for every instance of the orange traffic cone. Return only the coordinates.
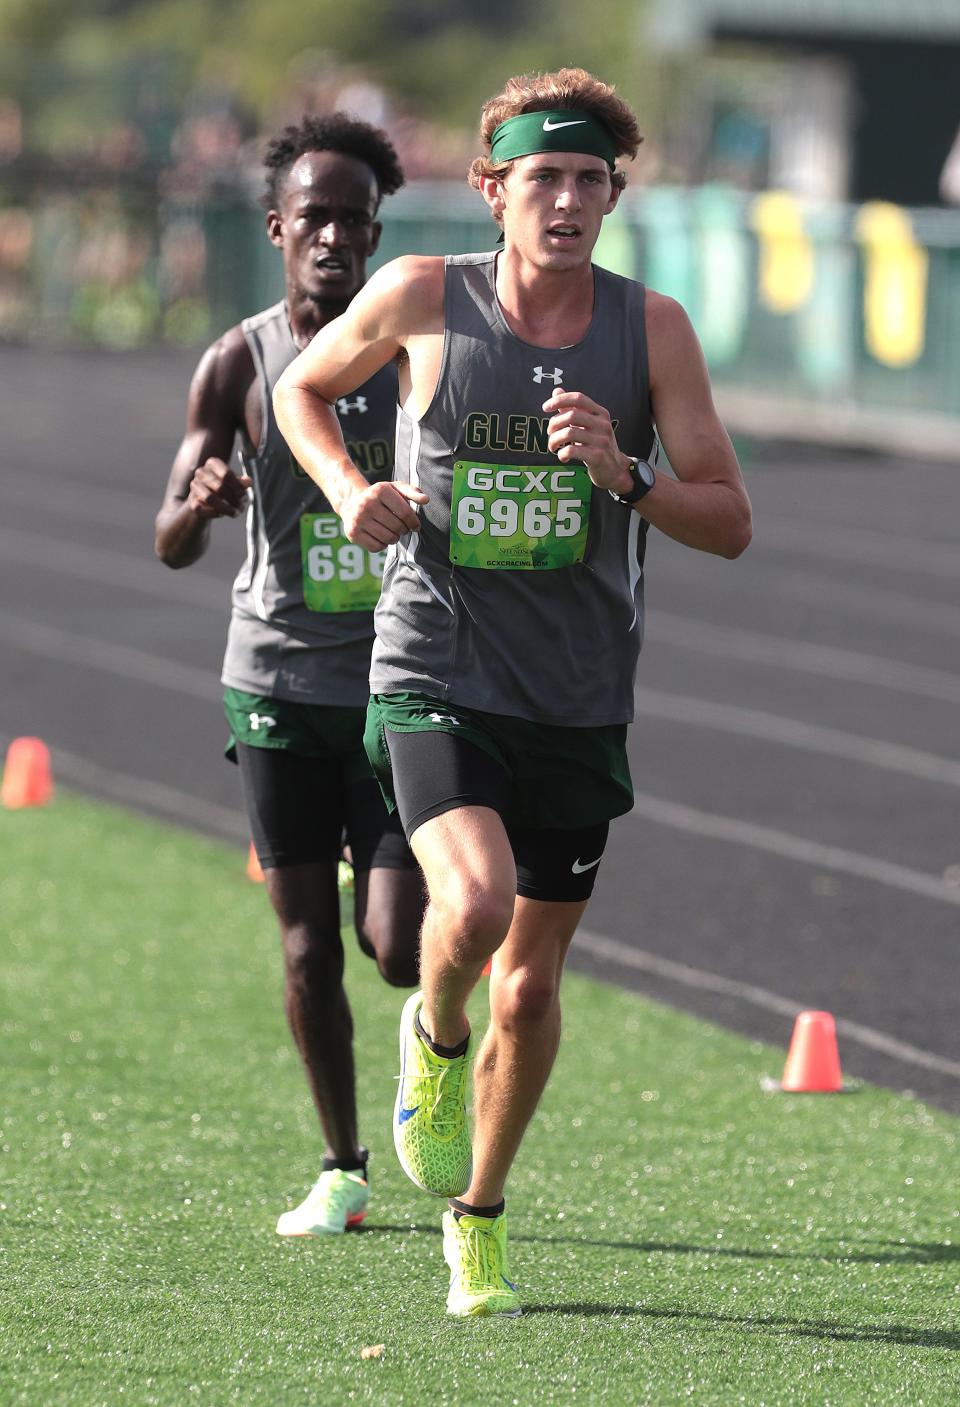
(254, 870)
(26, 777)
(813, 1061)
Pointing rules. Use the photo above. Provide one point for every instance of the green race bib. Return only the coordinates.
(526, 517)
(337, 574)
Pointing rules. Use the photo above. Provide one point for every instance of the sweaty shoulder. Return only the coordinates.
(226, 367)
(405, 296)
(670, 333)
(224, 383)
(665, 316)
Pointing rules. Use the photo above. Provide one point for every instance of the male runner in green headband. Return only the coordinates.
(512, 611)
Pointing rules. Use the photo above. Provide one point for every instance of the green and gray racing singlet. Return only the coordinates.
(522, 593)
(302, 621)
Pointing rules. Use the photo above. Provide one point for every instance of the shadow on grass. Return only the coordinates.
(801, 1328)
(892, 1252)
(917, 1252)
(910, 1253)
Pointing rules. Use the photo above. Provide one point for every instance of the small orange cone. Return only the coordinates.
(488, 968)
(27, 779)
(813, 1061)
(254, 870)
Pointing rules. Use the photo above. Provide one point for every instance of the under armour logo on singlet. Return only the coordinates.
(344, 407)
(556, 375)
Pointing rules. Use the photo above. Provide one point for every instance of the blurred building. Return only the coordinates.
(833, 99)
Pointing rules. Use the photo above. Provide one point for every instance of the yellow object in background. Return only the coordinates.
(786, 251)
(895, 284)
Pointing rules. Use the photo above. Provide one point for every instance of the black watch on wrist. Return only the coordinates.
(643, 481)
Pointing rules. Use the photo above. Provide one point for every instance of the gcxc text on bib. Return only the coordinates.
(337, 574)
(524, 517)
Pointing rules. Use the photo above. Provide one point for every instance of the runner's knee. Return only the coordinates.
(387, 916)
(522, 998)
(475, 915)
(399, 967)
(394, 945)
(313, 962)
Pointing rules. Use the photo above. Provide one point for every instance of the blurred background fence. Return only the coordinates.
(842, 306)
(798, 191)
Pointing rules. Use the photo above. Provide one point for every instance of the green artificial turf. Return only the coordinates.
(678, 1235)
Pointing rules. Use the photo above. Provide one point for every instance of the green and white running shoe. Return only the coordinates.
(430, 1130)
(336, 1200)
(475, 1249)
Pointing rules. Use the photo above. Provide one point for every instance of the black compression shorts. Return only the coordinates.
(301, 808)
(435, 772)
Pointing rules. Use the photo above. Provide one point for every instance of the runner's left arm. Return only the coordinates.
(706, 506)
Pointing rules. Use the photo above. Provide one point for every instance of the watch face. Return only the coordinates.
(644, 473)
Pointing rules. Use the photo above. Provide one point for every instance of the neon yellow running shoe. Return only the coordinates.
(345, 877)
(430, 1130)
(475, 1248)
(336, 1200)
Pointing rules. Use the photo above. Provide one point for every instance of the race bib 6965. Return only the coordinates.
(337, 574)
(526, 517)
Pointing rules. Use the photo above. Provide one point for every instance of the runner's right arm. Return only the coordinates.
(202, 486)
(395, 306)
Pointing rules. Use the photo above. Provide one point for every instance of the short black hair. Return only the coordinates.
(339, 132)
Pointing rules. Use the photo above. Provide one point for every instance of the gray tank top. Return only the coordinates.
(302, 620)
(522, 593)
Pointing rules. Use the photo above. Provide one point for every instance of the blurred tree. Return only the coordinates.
(439, 58)
(447, 69)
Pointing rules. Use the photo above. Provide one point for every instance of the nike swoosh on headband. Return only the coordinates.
(549, 126)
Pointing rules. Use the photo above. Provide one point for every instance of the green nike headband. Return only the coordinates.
(532, 132)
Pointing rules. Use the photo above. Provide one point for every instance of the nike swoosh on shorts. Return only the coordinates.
(579, 869)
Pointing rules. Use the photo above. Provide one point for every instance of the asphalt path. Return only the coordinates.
(795, 840)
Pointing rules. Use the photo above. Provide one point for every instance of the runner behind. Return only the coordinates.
(298, 646)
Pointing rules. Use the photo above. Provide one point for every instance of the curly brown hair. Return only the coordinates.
(568, 89)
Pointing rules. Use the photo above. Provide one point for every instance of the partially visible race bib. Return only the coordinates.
(337, 574)
(527, 517)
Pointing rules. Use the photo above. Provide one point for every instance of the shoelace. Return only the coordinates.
(480, 1249)
(449, 1092)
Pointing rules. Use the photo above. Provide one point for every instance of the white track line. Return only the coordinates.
(830, 661)
(875, 603)
(791, 732)
(842, 599)
(639, 960)
(915, 555)
(111, 568)
(129, 663)
(793, 847)
(141, 794)
(88, 503)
